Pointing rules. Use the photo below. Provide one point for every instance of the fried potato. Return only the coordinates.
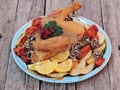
(87, 69)
(101, 38)
(76, 70)
(102, 47)
(57, 75)
(91, 59)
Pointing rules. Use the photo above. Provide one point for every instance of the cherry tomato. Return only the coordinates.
(99, 61)
(22, 40)
(36, 22)
(96, 36)
(84, 51)
(91, 32)
(31, 30)
(19, 50)
(24, 58)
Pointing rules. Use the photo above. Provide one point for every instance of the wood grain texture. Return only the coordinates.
(47, 86)
(25, 11)
(7, 18)
(92, 10)
(14, 13)
(14, 71)
(111, 22)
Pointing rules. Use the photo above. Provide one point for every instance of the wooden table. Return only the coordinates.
(14, 13)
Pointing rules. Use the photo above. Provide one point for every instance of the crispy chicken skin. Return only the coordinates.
(74, 30)
(51, 43)
(45, 49)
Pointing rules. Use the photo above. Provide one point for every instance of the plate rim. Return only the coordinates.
(21, 64)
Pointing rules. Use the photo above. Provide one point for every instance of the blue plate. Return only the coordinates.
(66, 79)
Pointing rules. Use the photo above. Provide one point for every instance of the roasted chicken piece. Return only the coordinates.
(45, 49)
(73, 31)
(62, 13)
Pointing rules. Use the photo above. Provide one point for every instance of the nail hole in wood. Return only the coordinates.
(8, 21)
(0, 35)
(118, 47)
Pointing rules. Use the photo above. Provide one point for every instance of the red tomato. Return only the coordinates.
(31, 30)
(19, 50)
(96, 36)
(36, 22)
(91, 32)
(99, 61)
(84, 51)
(22, 40)
(24, 58)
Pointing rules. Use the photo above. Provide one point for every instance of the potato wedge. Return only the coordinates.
(101, 38)
(57, 75)
(102, 47)
(76, 70)
(91, 59)
(87, 69)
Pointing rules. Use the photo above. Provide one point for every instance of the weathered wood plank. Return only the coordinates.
(16, 78)
(60, 86)
(47, 86)
(7, 18)
(37, 8)
(14, 73)
(55, 4)
(92, 10)
(71, 86)
(111, 21)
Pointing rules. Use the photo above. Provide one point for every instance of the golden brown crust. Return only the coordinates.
(73, 31)
(45, 49)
